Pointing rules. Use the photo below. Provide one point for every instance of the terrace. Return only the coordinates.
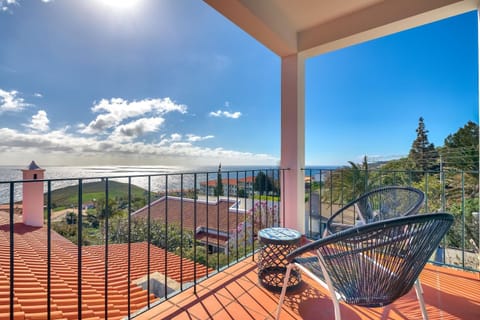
(45, 275)
(151, 265)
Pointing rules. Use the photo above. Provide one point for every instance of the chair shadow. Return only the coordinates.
(308, 302)
(311, 303)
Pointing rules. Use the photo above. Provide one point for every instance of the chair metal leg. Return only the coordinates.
(284, 290)
(333, 294)
(421, 301)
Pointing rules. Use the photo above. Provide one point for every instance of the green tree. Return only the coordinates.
(113, 208)
(347, 183)
(461, 148)
(218, 191)
(423, 153)
(263, 183)
(242, 193)
(169, 237)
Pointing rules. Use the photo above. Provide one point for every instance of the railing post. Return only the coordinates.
(12, 248)
(79, 249)
(49, 247)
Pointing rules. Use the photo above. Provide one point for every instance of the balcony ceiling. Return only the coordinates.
(312, 27)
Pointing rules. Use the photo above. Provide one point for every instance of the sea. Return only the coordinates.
(63, 176)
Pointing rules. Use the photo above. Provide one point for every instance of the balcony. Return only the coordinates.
(205, 265)
(235, 294)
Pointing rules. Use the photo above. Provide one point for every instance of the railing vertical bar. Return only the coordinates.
(228, 217)
(245, 224)
(442, 179)
(166, 239)
(236, 217)
(342, 200)
(194, 233)
(49, 248)
(79, 249)
(107, 213)
(271, 196)
(263, 188)
(129, 248)
(277, 194)
(320, 190)
(331, 192)
(181, 232)
(310, 219)
(426, 191)
(463, 219)
(12, 248)
(352, 196)
(206, 219)
(253, 214)
(149, 238)
(218, 222)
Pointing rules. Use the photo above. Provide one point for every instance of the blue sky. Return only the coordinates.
(174, 82)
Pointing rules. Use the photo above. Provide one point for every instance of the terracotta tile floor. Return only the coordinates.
(235, 294)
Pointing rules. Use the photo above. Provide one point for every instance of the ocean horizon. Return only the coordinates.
(69, 175)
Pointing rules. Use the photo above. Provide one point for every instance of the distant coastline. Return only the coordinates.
(10, 173)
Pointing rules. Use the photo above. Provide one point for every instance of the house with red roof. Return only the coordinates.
(231, 187)
(212, 222)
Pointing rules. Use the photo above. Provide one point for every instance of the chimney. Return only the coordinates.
(33, 196)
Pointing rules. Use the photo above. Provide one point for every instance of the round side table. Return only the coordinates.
(277, 243)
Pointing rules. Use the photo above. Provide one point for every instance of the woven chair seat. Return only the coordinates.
(376, 205)
(374, 264)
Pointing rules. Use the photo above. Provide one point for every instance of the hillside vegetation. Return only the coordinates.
(93, 192)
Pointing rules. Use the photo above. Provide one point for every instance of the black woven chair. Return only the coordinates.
(374, 264)
(378, 204)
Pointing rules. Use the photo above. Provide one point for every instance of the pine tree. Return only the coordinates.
(219, 187)
(423, 153)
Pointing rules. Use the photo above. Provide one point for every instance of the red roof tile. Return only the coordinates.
(240, 181)
(30, 275)
(194, 214)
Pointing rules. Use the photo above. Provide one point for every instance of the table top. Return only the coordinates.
(279, 235)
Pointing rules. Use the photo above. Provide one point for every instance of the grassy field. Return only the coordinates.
(94, 191)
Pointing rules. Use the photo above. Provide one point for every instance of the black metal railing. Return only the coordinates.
(97, 229)
(456, 192)
(123, 239)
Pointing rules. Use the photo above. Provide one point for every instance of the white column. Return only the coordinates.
(293, 141)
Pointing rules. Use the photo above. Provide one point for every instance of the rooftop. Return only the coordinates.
(30, 267)
(194, 213)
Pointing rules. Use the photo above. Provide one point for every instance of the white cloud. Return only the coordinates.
(59, 145)
(121, 123)
(38, 95)
(116, 110)
(179, 139)
(137, 128)
(175, 137)
(195, 138)
(39, 122)
(6, 4)
(226, 114)
(10, 101)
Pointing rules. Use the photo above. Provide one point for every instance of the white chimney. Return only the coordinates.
(33, 196)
